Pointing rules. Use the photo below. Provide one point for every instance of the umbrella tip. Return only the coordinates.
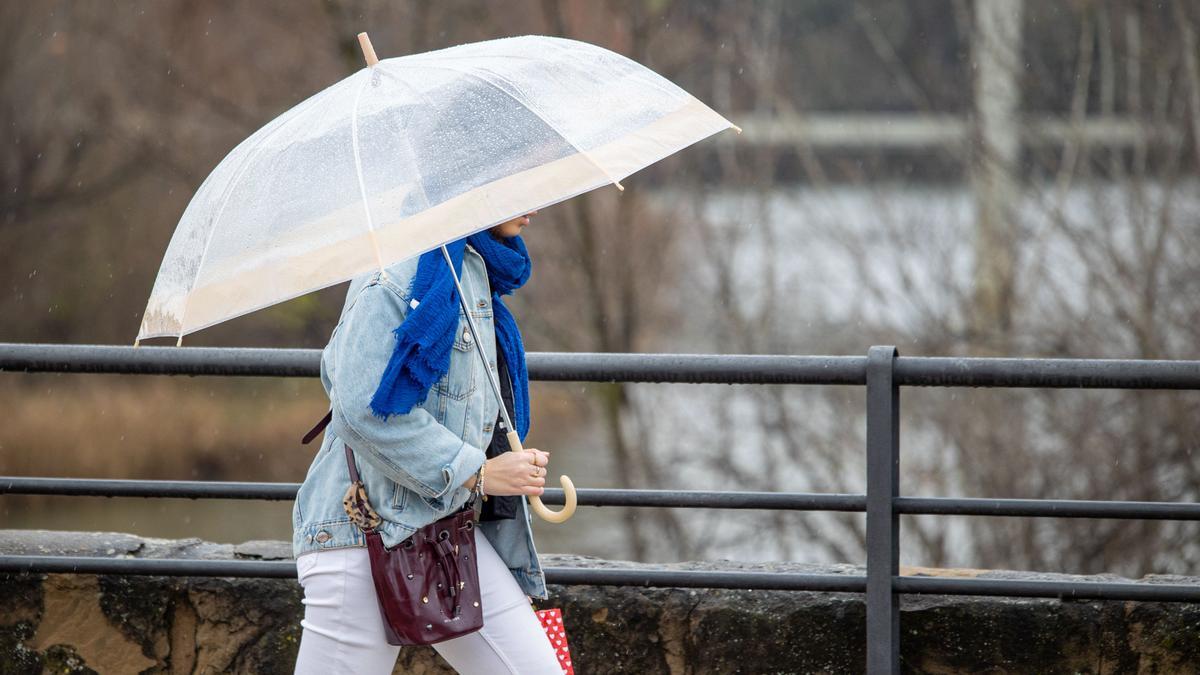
(735, 127)
(367, 49)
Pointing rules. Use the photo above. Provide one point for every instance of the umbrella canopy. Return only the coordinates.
(400, 158)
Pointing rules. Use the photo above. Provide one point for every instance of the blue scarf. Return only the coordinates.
(424, 340)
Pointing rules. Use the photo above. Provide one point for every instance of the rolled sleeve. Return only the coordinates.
(466, 462)
(413, 449)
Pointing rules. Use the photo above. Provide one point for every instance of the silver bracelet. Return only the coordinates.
(478, 490)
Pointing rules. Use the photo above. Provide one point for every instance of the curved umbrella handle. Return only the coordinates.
(535, 502)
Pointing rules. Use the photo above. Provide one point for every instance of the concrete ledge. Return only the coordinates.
(114, 624)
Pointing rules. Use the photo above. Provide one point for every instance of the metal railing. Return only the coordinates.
(883, 372)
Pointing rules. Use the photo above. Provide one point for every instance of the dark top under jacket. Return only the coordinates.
(499, 508)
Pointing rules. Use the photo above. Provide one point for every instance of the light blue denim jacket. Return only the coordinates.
(413, 465)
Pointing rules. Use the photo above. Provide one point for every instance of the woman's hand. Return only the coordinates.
(516, 473)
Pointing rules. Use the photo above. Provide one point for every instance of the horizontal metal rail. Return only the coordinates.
(911, 371)
(940, 371)
(1046, 508)
(182, 489)
(702, 499)
(571, 576)
(787, 501)
(107, 487)
(696, 368)
(1065, 590)
(36, 358)
(581, 576)
(167, 567)
(569, 367)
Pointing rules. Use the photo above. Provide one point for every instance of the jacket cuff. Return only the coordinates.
(466, 462)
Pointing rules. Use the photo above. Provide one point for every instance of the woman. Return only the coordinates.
(410, 396)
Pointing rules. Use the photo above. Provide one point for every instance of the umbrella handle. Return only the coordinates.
(535, 502)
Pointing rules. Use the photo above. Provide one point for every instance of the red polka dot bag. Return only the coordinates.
(552, 621)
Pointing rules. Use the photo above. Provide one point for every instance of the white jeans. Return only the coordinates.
(343, 629)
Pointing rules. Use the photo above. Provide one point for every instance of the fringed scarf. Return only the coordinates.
(424, 340)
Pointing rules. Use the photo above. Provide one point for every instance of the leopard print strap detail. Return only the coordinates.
(359, 508)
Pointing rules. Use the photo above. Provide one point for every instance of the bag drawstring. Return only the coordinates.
(450, 572)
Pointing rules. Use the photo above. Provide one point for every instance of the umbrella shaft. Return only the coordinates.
(492, 379)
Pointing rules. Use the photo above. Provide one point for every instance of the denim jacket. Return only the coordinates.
(413, 465)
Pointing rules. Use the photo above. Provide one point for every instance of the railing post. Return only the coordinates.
(883, 522)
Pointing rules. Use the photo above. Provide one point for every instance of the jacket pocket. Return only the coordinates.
(460, 380)
(399, 497)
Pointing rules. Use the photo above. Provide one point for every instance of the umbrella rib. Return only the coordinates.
(420, 182)
(527, 105)
(362, 186)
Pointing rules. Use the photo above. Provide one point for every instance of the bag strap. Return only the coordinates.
(355, 502)
(350, 463)
(317, 429)
(320, 426)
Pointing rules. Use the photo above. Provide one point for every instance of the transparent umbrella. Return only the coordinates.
(406, 155)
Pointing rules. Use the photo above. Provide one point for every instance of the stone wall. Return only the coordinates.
(68, 623)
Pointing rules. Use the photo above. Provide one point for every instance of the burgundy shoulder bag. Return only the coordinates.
(428, 584)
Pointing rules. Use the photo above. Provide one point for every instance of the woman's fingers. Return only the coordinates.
(521, 472)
